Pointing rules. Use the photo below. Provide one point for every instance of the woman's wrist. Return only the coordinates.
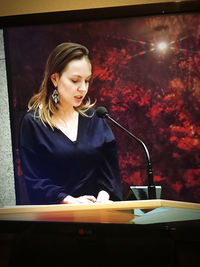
(67, 200)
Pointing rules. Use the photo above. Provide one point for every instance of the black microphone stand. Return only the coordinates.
(151, 186)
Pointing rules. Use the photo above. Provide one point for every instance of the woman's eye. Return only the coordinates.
(74, 81)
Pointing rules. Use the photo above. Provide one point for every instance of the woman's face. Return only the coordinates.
(73, 83)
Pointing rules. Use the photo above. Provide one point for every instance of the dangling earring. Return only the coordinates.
(55, 96)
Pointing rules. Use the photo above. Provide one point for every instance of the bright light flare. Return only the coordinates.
(162, 46)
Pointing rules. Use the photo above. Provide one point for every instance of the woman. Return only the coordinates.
(68, 154)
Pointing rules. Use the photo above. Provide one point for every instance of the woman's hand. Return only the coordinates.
(103, 197)
(78, 200)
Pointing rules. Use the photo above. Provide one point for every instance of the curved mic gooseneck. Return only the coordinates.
(102, 112)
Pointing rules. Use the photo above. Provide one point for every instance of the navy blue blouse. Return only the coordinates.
(54, 166)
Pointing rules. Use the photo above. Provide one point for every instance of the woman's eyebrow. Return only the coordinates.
(79, 76)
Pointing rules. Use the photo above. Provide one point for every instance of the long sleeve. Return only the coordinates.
(109, 172)
(41, 188)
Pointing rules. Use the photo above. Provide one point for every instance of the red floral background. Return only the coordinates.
(147, 74)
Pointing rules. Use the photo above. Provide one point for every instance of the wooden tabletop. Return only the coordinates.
(111, 212)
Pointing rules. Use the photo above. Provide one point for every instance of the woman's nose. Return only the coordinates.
(83, 87)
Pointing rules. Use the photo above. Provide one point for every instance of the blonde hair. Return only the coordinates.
(43, 102)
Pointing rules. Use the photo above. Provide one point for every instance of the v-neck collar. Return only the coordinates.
(78, 130)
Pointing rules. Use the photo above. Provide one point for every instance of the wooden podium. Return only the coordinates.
(122, 212)
(145, 233)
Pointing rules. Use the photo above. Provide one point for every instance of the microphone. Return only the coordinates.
(102, 112)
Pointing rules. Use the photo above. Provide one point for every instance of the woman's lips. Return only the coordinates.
(79, 98)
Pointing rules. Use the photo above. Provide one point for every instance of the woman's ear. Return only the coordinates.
(54, 78)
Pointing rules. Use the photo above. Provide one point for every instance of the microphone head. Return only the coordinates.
(102, 112)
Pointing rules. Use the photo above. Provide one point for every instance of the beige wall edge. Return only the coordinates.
(21, 7)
